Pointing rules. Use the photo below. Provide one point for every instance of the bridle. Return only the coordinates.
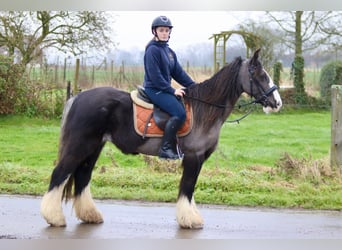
(263, 98)
(260, 100)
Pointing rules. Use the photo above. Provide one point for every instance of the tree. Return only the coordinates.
(26, 34)
(307, 30)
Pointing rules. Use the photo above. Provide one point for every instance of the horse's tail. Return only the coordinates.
(66, 110)
(68, 187)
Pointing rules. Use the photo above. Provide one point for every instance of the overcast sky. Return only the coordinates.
(133, 28)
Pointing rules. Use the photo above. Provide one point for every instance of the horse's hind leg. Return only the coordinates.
(83, 204)
(187, 213)
(79, 167)
(51, 204)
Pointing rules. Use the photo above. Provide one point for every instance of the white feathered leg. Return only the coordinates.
(51, 206)
(85, 207)
(188, 215)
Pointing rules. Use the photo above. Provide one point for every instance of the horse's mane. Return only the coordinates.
(221, 89)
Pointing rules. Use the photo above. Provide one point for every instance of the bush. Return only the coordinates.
(331, 74)
(277, 68)
(11, 84)
(18, 95)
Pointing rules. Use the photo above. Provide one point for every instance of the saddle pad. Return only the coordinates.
(142, 114)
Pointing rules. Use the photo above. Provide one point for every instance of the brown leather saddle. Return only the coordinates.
(150, 120)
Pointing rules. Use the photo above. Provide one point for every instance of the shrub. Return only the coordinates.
(20, 96)
(277, 68)
(11, 84)
(331, 74)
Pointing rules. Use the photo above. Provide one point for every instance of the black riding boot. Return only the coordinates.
(168, 149)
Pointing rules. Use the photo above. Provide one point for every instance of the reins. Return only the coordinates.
(208, 103)
(228, 106)
(245, 115)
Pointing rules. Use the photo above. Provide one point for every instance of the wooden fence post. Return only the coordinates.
(64, 70)
(68, 94)
(336, 127)
(56, 74)
(77, 73)
(112, 72)
(93, 76)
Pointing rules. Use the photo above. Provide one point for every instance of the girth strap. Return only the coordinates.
(148, 121)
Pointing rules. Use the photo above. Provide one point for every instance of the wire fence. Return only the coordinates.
(118, 75)
(87, 76)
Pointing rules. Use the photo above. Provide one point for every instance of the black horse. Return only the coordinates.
(105, 114)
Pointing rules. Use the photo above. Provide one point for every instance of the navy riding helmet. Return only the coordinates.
(161, 21)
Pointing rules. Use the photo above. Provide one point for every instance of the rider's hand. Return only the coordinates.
(179, 92)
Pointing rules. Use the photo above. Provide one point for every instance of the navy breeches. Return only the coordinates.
(167, 102)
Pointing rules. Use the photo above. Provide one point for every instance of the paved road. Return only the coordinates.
(20, 219)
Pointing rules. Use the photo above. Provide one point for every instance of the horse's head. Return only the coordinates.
(257, 83)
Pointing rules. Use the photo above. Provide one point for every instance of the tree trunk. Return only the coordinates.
(298, 64)
(298, 49)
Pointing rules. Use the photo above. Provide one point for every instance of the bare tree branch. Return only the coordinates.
(75, 32)
(318, 28)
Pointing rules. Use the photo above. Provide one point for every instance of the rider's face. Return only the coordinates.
(163, 33)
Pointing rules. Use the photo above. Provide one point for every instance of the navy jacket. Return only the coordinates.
(161, 65)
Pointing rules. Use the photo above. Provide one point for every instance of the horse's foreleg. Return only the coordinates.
(187, 213)
(84, 204)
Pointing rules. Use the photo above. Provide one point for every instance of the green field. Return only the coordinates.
(277, 160)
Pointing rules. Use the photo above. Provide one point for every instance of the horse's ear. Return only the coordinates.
(254, 59)
(256, 54)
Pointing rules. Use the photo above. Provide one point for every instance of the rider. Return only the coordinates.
(161, 65)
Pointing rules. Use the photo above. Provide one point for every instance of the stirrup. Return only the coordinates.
(179, 152)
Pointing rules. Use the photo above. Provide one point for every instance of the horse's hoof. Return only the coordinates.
(193, 226)
(56, 222)
(92, 216)
(187, 224)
